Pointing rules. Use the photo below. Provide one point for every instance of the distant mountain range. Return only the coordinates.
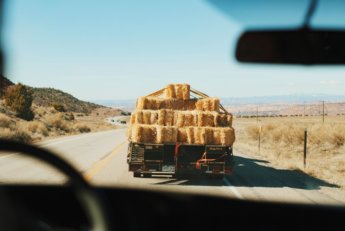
(228, 101)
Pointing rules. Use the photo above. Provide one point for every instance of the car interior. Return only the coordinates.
(78, 205)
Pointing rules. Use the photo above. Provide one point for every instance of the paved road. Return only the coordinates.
(101, 158)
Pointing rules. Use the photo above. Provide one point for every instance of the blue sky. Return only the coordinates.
(124, 49)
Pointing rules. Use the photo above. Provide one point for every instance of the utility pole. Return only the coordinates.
(257, 114)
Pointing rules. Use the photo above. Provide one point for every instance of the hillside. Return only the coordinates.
(46, 97)
(52, 120)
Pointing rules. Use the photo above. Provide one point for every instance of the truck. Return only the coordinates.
(172, 134)
(179, 160)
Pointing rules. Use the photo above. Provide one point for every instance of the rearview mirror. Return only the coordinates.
(302, 46)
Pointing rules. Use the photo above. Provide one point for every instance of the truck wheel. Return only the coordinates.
(136, 174)
(147, 175)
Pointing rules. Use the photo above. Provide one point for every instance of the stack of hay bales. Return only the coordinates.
(177, 118)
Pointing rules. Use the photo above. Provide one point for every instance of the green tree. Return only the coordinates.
(19, 99)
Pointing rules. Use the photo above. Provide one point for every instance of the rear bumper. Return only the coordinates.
(152, 168)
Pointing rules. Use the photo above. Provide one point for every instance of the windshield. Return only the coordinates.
(148, 94)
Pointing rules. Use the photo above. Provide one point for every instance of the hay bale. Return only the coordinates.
(180, 119)
(161, 117)
(177, 91)
(143, 133)
(227, 136)
(155, 103)
(132, 120)
(169, 119)
(141, 103)
(176, 104)
(223, 120)
(206, 119)
(209, 135)
(186, 119)
(154, 117)
(198, 135)
(170, 92)
(214, 104)
(216, 136)
(190, 135)
(166, 117)
(201, 134)
(185, 91)
(191, 118)
(190, 105)
(223, 136)
(182, 135)
(208, 104)
(166, 134)
(139, 117)
(146, 116)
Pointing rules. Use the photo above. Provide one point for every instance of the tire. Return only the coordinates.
(136, 174)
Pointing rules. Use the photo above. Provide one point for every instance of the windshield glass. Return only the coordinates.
(149, 94)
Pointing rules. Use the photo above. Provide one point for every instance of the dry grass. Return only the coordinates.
(5, 121)
(282, 142)
(50, 123)
(37, 127)
(58, 122)
(16, 135)
(82, 128)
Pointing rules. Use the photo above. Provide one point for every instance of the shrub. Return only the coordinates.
(69, 116)
(83, 128)
(5, 121)
(16, 135)
(19, 99)
(37, 127)
(338, 136)
(59, 107)
(57, 121)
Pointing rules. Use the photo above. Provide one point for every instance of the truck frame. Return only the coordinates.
(179, 160)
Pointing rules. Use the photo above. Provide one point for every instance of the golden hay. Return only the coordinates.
(223, 136)
(223, 120)
(177, 91)
(154, 117)
(143, 133)
(199, 135)
(141, 103)
(206, 119)
(186, 119)
(170, 92)
(190, 135)
(166, 117)
(182, 135)
(208, 104)
(166, 134)
(185, 91)
(189, 105)
(154, 103)
(209, 135)
(133, 116)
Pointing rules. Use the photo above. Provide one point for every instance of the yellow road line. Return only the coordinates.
(95, 168)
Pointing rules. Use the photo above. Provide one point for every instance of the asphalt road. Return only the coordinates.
(101, 158)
